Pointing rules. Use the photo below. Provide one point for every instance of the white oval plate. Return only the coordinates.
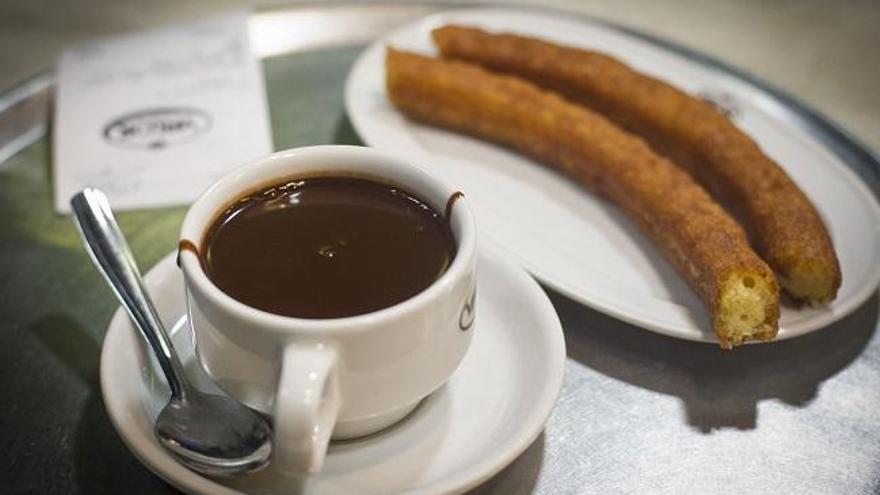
(576, 243)
(491, 409)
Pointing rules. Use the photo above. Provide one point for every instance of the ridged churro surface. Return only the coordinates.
(783, 224)
(707, 247)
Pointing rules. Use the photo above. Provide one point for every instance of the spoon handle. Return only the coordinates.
(110, 253)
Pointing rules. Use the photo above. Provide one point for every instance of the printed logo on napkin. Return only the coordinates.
(153, 118)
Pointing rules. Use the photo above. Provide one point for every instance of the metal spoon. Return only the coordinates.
(210, 434)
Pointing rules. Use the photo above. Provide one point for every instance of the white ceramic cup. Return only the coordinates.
(347, 376)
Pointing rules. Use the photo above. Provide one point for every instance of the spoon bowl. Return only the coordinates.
(213, 434)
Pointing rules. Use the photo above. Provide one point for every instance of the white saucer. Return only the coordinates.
(582, 246)
(492, 408)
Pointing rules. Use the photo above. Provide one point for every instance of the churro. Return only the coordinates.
(782, 223)
(707, 247)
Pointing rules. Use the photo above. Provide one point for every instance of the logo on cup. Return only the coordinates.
(157, 128)
(466, 318)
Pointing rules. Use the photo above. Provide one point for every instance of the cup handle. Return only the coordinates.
(306, 406)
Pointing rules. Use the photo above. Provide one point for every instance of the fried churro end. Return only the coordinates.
(445, 36)
(812, 283)
(391, 72)
(748, 308)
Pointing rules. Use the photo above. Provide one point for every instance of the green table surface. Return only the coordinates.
(55, 436)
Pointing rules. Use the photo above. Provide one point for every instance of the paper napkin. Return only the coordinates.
(155, 117)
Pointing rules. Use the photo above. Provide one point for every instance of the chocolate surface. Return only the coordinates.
(327, 247)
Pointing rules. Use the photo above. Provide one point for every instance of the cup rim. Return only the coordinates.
(193, 228)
